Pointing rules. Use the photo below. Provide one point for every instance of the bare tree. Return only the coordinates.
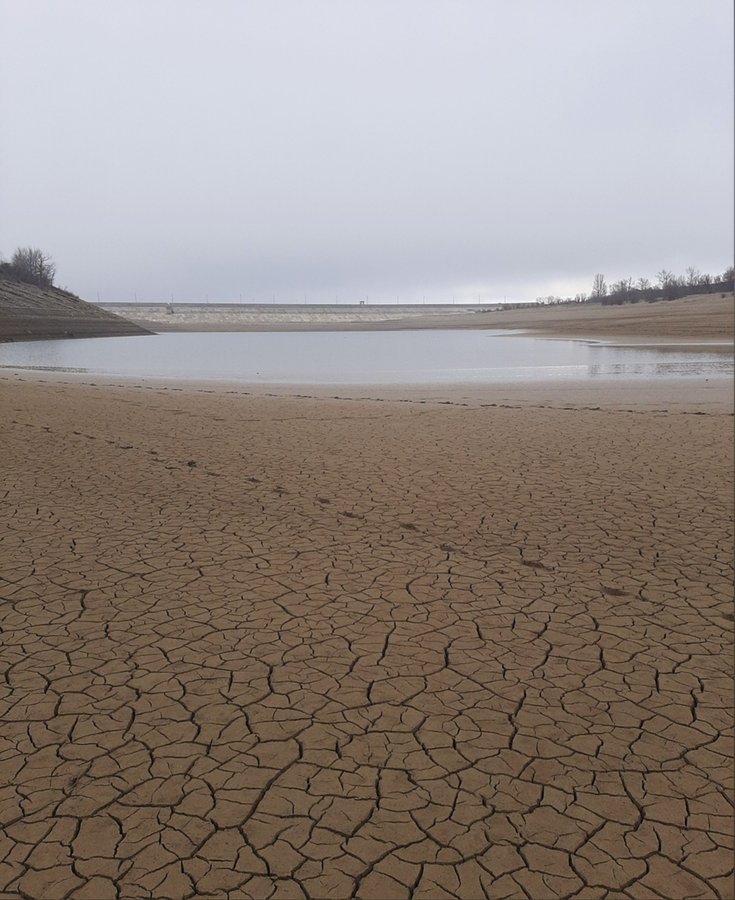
(33, 265)
(693, 276)
(599, 287)
(667, 282)
(623, 286)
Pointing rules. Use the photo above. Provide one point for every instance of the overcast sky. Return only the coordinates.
(387, 148)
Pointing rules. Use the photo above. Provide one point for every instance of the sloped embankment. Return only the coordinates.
(31, 313)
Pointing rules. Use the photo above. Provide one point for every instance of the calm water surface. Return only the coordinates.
(365, 357)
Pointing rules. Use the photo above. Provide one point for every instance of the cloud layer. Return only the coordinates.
(326, 149)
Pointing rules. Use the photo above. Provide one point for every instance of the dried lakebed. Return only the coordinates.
(271, 647)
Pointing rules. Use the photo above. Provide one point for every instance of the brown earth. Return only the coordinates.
(31, 313)
(287, 647)
(698, 317)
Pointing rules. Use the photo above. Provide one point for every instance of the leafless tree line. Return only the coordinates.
(667, 286)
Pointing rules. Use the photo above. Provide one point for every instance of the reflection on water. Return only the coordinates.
(364, 357)
(677, 369)
(664, 361)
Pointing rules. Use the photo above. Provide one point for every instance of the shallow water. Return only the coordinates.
(366, 357)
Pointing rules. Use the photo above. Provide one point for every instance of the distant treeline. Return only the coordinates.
(667, 286)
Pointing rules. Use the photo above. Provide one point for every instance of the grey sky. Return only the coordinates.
(351, 147)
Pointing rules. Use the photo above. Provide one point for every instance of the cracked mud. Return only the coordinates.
(282, 648)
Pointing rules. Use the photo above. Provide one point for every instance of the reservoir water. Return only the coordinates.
(366, 357)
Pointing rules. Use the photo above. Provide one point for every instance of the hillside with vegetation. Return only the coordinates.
(32, 309)
(31, 313)
(667, 286)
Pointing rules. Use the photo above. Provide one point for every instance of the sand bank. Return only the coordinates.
(402, 646)
(689, 319)
(696, 318)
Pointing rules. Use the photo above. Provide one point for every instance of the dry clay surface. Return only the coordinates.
(282, 648)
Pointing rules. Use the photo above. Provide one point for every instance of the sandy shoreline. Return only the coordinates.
(691, 394)
(386, 646)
